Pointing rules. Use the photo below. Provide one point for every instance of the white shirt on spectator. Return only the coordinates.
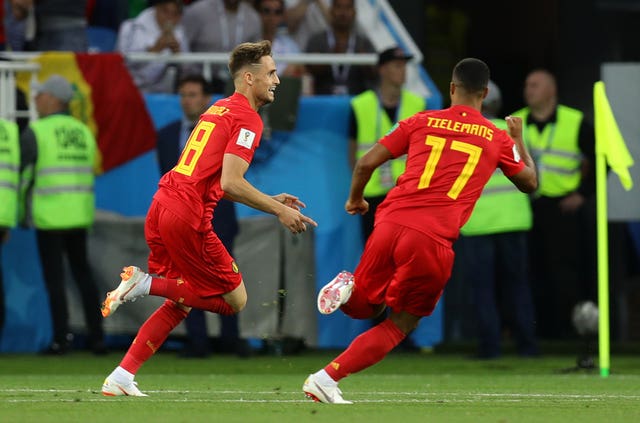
(312, 22)
(138, 35)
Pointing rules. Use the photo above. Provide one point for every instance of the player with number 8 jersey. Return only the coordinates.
(407, 259)
(188, 264)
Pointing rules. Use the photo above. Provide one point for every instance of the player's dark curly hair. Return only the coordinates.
(248, 54)
(472, 74)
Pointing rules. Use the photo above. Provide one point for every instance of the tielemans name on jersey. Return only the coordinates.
(467, 128)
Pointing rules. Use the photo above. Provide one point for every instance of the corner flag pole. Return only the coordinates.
(603, 264)
(611, 150)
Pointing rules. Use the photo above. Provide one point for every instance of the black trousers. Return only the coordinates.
(497, 271)
(562, 263)
(53, 247)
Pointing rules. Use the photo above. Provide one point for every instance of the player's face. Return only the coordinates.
(265, 81)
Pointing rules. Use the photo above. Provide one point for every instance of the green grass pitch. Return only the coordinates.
(403, 388)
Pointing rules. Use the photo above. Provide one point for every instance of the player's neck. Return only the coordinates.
(253, 102)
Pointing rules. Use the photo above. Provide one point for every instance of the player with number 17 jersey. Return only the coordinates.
(451, 154)
(191, 190)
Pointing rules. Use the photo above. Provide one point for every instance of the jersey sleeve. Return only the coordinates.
(510, 161)
(397, 139)
(244, 137)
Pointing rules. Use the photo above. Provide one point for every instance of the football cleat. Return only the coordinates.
(132, 286)
(111, 388)
(335, 293)
(322, 393)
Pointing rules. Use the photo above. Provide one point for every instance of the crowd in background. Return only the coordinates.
(561, 242)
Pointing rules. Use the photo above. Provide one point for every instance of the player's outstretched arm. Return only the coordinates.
(285, 206)
(527, 179)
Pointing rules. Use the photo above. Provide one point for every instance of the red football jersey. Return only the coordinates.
(451, 154)
(191, 189)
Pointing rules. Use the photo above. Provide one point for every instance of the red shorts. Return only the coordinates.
(403, 268)
(180, 252)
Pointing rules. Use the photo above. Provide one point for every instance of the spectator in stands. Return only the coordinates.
(493, 256)
(274, 29)
(563, 232)
(306, 17)
(195, 98)
(341, 37)
(9, 180)
(218, 26)
(58, 161)
(61, 25)
(20, 25)
(157, 29)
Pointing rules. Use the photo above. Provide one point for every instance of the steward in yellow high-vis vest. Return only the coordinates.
(373, 123)
(62, 195)
(9, 180)
(58, 161)
(563, 236)
(9, 173)
(556, 151)
(492, 259)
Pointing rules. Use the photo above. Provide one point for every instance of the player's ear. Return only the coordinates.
(248, 78)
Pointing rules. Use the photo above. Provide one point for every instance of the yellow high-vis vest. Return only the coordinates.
(556, 151)
(63, 195)
(501, 208)
(9, 173)
(373, 123)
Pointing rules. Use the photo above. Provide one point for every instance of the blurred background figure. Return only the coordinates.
(9, 180)
(373, 113)
(157, 29)
(563, 255)
(61, 25)
(216, 26)
(20, 24)
(306, 17)
(195, 97)
(341, 37)
(493, 254)
(274, 28)
(58, 163)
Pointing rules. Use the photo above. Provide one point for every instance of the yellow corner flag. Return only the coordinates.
(609, 141)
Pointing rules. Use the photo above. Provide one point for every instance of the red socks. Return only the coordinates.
(178, 291)
(366, 350)
(152, 335)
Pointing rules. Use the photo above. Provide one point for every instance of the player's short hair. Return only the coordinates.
(471, 74)
(248, 54)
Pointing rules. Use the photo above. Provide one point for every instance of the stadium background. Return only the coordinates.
(572, 38)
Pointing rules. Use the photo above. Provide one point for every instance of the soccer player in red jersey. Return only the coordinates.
(407, 261)
(193, 267)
